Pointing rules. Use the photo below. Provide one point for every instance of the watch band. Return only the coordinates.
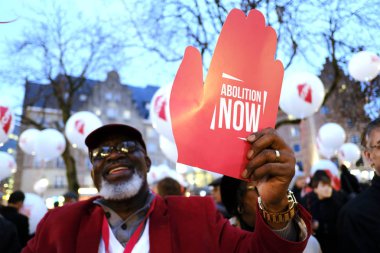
(281, 216)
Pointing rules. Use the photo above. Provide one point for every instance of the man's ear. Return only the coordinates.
(148, 163)
(367, 157)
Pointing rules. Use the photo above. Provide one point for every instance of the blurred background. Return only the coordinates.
(69, 66)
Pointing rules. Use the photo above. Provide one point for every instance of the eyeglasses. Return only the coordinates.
(124, 147)
(377, 146)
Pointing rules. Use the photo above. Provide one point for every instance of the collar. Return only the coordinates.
(123, 229)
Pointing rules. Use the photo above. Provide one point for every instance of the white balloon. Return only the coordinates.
(349, 152)
(324, 151)
(160, 112)
(331, 135)
(7, 165)
(325, 165)
(50, 144)
(28, 141)
(34, 207)
(41, 185)
(364, 66)
(301, 94)
(157, 173)
(79, 125)
(6, 123)
(169, 148)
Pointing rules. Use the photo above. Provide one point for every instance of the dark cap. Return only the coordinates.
(99, 134)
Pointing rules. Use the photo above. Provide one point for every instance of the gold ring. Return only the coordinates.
(277, 155)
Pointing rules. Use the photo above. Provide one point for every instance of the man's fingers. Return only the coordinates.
(265, 139)
(270, 163)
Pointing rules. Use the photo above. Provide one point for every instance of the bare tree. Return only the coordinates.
(62, 49)
(311, 32)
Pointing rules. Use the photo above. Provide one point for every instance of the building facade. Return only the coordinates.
(111, 101)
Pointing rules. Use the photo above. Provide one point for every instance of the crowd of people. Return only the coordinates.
(256, 215)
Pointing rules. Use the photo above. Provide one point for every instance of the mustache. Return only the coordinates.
(117, 162)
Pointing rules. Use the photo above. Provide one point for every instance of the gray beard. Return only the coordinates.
(123, 190)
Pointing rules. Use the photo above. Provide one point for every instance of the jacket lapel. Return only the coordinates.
(89, 232)
(159, 229)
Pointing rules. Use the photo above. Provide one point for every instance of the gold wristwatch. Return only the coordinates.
(282, 216)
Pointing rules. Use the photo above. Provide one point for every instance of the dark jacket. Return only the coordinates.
(326, 212)
(177, 224)
(349, 183)
(19, 220)
(8, 237)
(359, 222)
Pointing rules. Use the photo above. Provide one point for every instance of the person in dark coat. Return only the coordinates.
(359, 219)
(11, 213)
(324, 204)
(349, 183)
(9, 242)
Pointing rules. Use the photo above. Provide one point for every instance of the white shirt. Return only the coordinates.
(142, 245)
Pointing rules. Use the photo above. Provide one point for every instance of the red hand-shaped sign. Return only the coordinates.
(240, 95)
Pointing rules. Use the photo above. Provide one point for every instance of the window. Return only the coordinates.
(295, 132)
(296, 148)
(349, 123)
(108, 96)
(59, 182)
(355, 139)
(127, 114)
(324, 110)
(82, 97)
(111, 113)
(117, 97)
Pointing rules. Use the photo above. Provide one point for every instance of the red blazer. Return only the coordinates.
(177, 225)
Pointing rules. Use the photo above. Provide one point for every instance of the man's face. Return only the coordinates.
(372, 152)
(120, 171)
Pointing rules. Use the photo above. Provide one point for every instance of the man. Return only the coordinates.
(11, 213)
(359, 219)
(169, 187)
(349, 183)
(127, 217)
(324, 204)
(8, 237)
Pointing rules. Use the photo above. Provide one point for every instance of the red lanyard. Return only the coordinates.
(134, 238)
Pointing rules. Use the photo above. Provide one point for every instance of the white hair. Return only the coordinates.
(123, 190)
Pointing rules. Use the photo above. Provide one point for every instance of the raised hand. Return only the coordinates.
(240, 95)
(271, 165)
